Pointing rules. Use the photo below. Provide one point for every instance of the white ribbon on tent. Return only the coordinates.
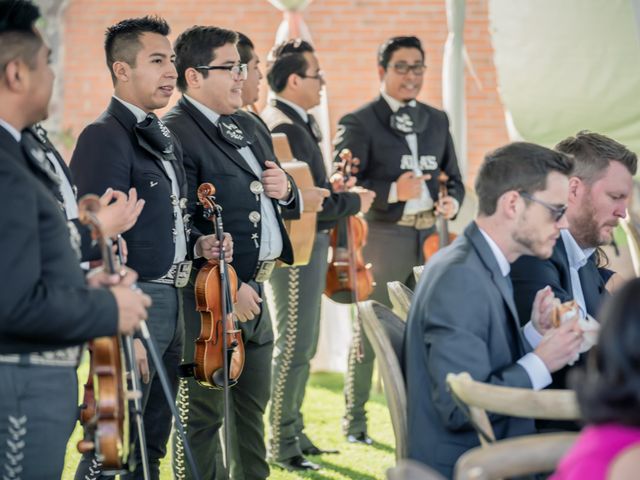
(335, 327)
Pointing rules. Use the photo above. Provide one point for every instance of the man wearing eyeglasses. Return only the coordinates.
(226, 146)
(403, 145)
(464, 318)
(599, 194)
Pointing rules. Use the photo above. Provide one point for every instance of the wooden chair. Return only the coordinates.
(385, 331)
(417, 272)
(412, 470)
(400, 296)
(514, 457)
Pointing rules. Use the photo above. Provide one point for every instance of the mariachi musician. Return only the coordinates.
(402, 145)
(227, 147)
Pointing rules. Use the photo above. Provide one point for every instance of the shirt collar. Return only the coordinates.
(11, 129)
(206, 111)
(137, 111)
(298, 109)
(577, 256)
(503, 263)
(394, 104)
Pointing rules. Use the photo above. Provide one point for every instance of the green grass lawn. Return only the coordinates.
(322, 409)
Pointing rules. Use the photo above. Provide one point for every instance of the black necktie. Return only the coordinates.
(155, 137)
(315, 128)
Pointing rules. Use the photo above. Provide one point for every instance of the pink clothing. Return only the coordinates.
(595, 450)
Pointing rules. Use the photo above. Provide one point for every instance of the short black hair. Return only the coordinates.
(608, 389)
(519, 166)
(245, 48)
(196, 46)
(288, 59)
(593, 152)
(17, 35)
(385, 52)
(122, 40)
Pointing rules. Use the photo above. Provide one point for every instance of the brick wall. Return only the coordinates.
(346, 35)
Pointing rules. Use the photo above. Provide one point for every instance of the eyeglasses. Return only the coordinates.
(317, 76)
(556, 212)
(403, 68)
(239, 70)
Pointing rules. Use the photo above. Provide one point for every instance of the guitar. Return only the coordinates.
(302, 232)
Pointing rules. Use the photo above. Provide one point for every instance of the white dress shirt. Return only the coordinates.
(181, 240)
(270, 236)
(536, 369)
(578, 258)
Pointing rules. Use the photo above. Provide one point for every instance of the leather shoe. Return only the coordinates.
(313, 450)
(361, 437)
(297, 463)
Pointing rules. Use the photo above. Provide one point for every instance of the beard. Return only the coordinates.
(585, 228)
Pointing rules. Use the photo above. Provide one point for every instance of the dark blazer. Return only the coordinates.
(367, 133)
(37, 136)
(210, 158)
(44, 301)
(530, 274)
(305, 148)
(108, 155)
(480, 335)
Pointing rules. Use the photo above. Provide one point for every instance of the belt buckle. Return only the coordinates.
(183, 271)
(425, 220)
(264, 271)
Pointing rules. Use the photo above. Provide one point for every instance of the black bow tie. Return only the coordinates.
(232, 132)
(155, 137)
(404, 120)
(315, 128)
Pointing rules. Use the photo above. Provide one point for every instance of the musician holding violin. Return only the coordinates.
(128, 146)
(403, 145)
(49, 309)
(227, 147)
(296, 79)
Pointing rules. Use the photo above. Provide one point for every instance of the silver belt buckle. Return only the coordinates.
(425, 220)
(183, 272)
(264, 271)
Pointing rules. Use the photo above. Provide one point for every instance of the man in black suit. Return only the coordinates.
(599, 193)
(522, 191)
(296, 80)
(231, 149)
(48, 310)
(129, 147)
(403, 145)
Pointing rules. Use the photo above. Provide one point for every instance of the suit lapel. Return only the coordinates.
(128, 120)
(592, 286)
(488, 258)
(211, 131)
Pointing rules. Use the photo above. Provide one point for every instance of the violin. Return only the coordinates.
(104, 413)
(219, 350)
(349, 279)
(441, 237)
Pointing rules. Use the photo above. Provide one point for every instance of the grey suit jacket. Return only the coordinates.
(463, 318)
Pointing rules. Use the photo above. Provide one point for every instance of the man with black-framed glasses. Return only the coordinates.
(403, 145)
(227, 146)
(599, 194)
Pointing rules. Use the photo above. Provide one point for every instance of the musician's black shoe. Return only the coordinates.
(297, 463)
(313, 450)
(361, 437)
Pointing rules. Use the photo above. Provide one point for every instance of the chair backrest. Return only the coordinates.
(385, 331)
(400, 296)
(417, 272)
(515, 402)
(412, 470)
(514, 457)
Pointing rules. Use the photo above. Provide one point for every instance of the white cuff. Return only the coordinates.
(537, 371)
(532, 335)
(393, 193)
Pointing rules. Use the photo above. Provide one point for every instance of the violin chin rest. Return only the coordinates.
(217, 379)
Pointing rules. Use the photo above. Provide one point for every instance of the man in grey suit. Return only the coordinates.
(522, 190)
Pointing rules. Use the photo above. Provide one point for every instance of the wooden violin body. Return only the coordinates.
(349, 279)
(441, 237)
(208, 356)
(219, 350)
(104, 413)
